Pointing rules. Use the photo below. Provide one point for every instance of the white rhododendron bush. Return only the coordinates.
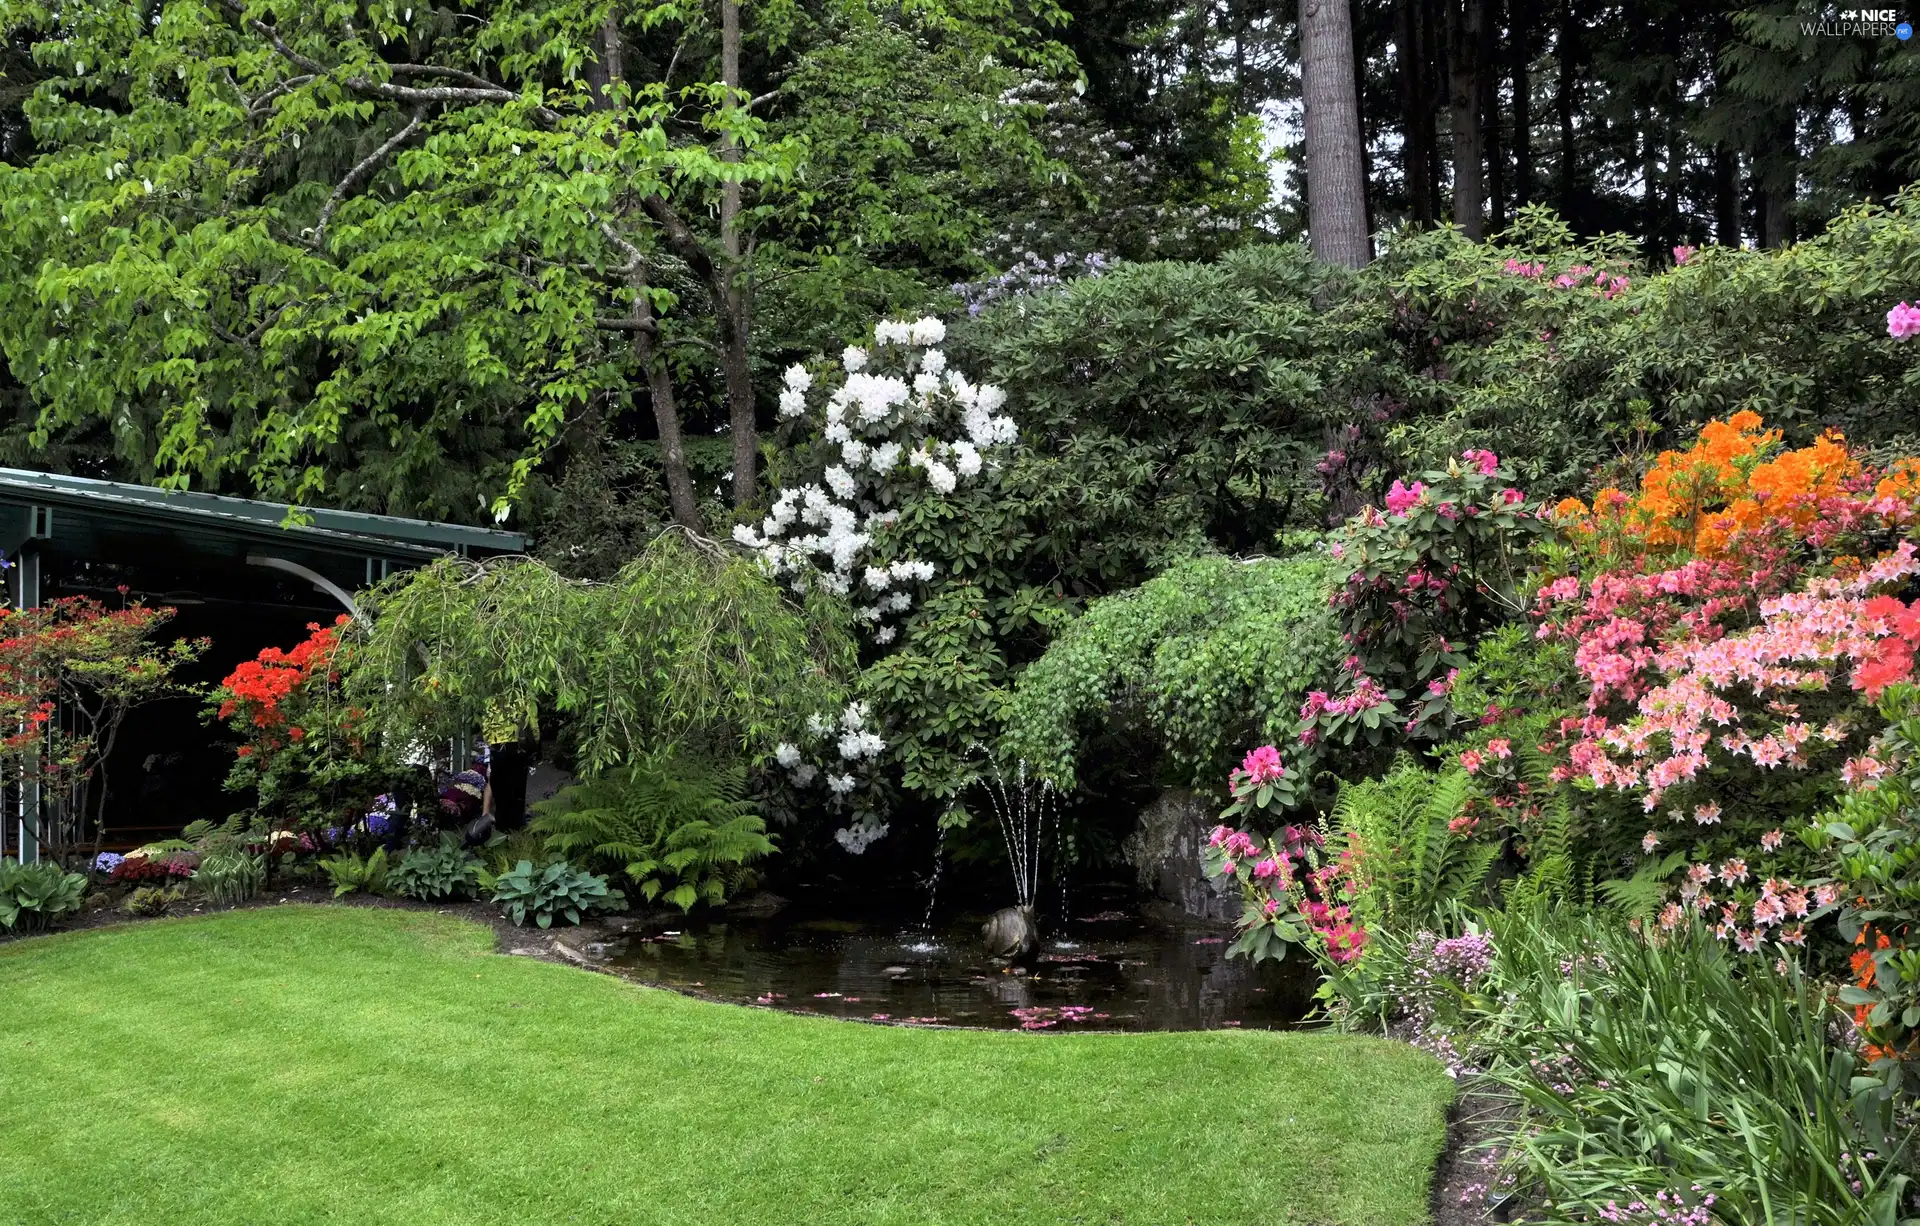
(893, 425)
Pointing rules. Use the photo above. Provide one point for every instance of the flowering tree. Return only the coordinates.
(97, 664)
(891, 431)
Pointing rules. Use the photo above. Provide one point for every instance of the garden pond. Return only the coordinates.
(1104, 967)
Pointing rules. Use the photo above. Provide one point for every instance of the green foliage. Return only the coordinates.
(1647, 1067)
(552, 892)
(350, 872)
(152, 900)
(228, 879)
(34, 896)
(1413, 862)
(689, 645)
(682, 830)
(194, 264)
(1204, 383)
(1871, 843)
(503, 851)
(1207, 658)
(430, 874)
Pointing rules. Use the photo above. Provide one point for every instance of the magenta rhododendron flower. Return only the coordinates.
(1402, 498)
(1903, 321)
(1262, 765)
(1683, 253)
(1483, 460)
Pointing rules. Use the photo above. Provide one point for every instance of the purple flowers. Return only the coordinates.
(107, 861)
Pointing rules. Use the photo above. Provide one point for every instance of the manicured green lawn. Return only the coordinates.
(332, 1064)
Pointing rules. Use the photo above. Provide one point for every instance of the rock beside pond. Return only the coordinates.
(758, 905)
(1167, 850)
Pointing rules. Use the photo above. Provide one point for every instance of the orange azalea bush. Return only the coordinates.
(1734, 489)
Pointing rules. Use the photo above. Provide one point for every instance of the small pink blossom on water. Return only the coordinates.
(1770, 841)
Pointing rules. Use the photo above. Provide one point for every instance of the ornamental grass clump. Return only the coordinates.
(1667, 1072)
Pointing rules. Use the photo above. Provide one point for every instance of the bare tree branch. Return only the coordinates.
(361, 172)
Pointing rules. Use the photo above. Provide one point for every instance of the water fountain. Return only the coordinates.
(1022, 805)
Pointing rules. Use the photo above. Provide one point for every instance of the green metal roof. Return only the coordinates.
(264, 521)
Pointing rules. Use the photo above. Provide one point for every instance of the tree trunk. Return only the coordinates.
(1416, 118)
(1490, 119)
(666, 409)
(1464, 21)
(1520, 49)
(1726, 198)
(666, 417)
(1360, 112)
(1567, 61)
(734, 306)
(1336, 181)
(1780, 170)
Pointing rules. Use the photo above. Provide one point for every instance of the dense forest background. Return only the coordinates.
(331, 253)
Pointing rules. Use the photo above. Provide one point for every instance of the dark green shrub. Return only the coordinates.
(557, 891)
(33, 896)
(433, 873)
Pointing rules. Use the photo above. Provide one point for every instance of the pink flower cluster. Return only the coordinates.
(1903, 321)
(1262, 765)
(1804, 639)
(1682, 254)
(1485, 461)
(1403, 498)
(1520, 268)
(1609, 284)
(1365, 696)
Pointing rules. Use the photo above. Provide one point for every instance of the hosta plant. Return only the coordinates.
(556, 891)
(230, 879)
(33, 896)
(446, 870)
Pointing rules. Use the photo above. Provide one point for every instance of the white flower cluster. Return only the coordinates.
(852, 735)
(878, 427)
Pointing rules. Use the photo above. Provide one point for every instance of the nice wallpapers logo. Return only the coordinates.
(1862, 23)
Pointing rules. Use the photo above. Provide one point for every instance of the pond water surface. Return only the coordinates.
(1103, 968)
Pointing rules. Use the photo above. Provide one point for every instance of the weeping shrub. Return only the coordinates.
(689, 646)
(1211, 656)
